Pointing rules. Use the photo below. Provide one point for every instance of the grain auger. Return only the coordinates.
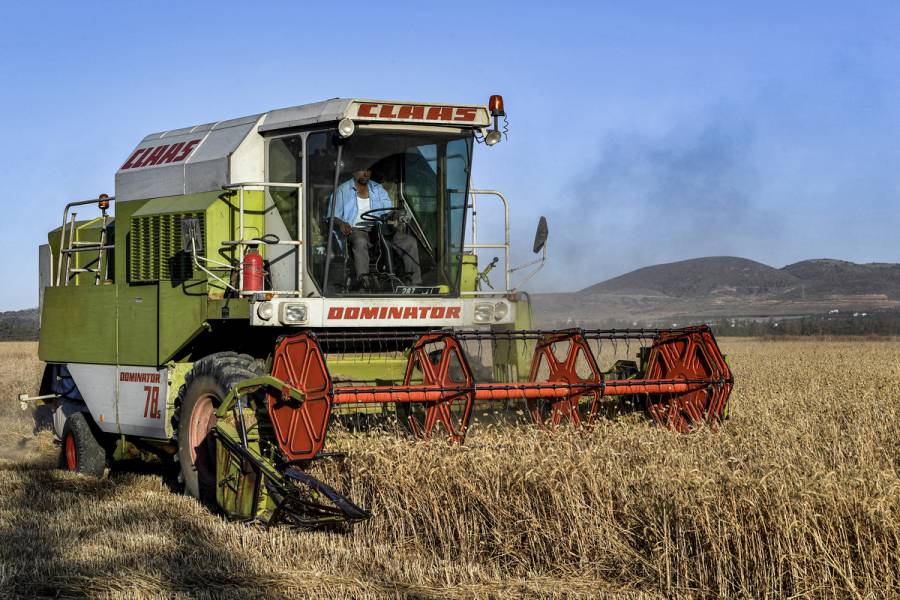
(683, 381)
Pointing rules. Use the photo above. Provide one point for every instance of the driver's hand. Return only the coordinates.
(345, 228)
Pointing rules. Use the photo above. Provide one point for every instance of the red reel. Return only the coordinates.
(300, 427)
(688, 355)
(438, 360)
(564, 357)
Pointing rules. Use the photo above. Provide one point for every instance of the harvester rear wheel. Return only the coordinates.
(81, 452)
(204, 389)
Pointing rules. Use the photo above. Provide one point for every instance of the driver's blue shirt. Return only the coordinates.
(346, 208)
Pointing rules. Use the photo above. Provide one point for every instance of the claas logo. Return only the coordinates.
(373, 110)
(160, 155)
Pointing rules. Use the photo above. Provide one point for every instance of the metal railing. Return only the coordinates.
(473, 194)
(243, 244)
(75, 246)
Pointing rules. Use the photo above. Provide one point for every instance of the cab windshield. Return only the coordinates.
(386, 211)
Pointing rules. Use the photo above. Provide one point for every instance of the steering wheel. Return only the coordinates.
(380, 215)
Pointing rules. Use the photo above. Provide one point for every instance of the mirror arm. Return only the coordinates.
(540, 265)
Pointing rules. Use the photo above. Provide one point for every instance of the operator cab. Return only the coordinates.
(406, 238)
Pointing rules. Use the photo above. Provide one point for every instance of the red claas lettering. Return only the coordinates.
(134, 157)
(413, 112)
(160, 155)
(465, 114)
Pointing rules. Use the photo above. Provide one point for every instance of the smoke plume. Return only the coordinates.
(691, 191)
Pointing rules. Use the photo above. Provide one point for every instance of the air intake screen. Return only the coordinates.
(155, 248)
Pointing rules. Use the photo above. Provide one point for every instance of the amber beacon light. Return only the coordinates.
(495, 105)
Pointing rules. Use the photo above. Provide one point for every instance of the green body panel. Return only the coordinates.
(150, 321)
(373, 370)
(515, 354)
(181, 318)
(138, 326)
(235, 308)
(368, 368)
(79, 324)
(469, 275)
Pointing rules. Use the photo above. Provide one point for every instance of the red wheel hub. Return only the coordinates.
(203, 420)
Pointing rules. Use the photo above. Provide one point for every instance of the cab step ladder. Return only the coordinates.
(70, 246)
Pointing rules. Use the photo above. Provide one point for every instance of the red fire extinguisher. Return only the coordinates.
(253, 272)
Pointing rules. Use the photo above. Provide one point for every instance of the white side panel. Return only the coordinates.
(142, 401)
(282, 258)
(248, 165)
(129, 400)
(248, 160)
(97, 384)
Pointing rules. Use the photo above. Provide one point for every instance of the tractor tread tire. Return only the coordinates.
(90, 456)
(215, 375)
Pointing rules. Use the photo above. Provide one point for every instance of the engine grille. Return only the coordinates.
(155, 251)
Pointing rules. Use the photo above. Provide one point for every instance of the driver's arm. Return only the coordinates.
(340, 210)
(381, 198)
(342, 226)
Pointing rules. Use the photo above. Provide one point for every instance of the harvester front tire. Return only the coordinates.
(205, 387)
(81, 452)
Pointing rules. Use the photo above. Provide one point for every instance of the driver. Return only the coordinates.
(356, 196)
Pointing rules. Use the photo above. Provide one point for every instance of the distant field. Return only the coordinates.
(797, 495)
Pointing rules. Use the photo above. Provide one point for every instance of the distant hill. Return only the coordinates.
(19, 325)
(828, 276)
(727, 286)
(699, 277)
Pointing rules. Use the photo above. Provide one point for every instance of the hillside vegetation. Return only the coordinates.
(797, 495)
(19, 325)
(724, 286)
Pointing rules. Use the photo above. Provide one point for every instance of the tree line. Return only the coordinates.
(875, 323)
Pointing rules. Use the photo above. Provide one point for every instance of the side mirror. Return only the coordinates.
(191, 235)
(540, 236)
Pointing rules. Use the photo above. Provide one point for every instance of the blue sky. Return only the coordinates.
(646, 132)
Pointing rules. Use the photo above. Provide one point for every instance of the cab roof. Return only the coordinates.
(205, 157)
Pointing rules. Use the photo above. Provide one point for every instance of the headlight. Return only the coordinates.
(501, 309)
(264, 311)
(346, 127)
(293, 313)
(483, 312)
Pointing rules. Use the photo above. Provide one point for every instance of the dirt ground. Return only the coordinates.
(797, 495)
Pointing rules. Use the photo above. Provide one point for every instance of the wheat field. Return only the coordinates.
(797, 495)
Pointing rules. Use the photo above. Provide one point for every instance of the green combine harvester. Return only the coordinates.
(263, 276)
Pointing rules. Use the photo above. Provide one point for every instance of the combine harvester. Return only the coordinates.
(231, 307)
